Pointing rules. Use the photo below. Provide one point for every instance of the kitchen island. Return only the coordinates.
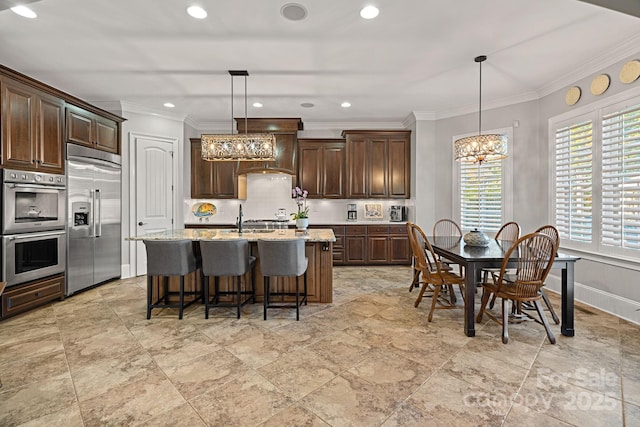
(318, 249)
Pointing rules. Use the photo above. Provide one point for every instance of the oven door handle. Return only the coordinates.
(36, 235)
(36, 186)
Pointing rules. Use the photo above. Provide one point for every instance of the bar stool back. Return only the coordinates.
(169, 258)
(283, 258)
(227, 258)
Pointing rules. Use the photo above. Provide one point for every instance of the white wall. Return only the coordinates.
(140, 122)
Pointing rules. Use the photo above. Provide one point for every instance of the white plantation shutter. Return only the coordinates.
(481, 195)
(621, 179)
(574, 181)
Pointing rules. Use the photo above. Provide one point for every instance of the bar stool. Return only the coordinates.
(169, 258)
(283, 258)
(227, 258)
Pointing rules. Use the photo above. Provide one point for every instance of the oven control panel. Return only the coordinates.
(24, 177)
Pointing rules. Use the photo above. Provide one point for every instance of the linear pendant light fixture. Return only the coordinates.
(481, 148)
(235, 147)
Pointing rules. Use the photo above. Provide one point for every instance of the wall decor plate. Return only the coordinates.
(203, 209)
(630, 72)
(600, 84)
(573, 95)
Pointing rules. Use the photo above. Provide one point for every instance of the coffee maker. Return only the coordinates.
(398, 213)
(352, 213)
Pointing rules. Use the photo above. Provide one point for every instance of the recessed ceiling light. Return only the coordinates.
(369, 12)
(293, 11)
(257, 104)
(168, 105)
(197, 12)
(24, 11)
(307, 105)
(345, 104)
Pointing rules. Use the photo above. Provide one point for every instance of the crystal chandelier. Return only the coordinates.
(234, 147)
(481, 148)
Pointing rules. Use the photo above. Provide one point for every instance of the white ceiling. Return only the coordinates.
(416, 56)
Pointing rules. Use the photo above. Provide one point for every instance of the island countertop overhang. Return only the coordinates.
(311, 235)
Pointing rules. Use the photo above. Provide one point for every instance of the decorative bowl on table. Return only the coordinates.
(477, 238)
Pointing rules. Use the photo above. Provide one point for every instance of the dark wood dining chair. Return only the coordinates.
(433, 280)
(535, 253)
(431, 261)
(510, 232)
(447, 227)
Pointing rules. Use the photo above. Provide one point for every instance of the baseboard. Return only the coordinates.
(613, 304)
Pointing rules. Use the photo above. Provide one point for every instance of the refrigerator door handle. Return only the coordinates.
(92, 233)
(99, 215)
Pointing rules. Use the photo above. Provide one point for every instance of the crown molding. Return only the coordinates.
(131, 107)
(595, 66)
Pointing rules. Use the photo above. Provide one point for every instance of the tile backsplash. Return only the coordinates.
(266, 193)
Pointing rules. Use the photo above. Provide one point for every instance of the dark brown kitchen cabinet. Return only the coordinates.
(372, 245)
(378, 163)
(399, 249)
(377, 244)
(91, 130)
(355, 244)
(286, 133)
(20, 298)
(321, 167)
(211, 180)
(32, 128)
(338, 245)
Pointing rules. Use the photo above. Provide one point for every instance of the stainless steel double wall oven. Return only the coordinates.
(33, 225)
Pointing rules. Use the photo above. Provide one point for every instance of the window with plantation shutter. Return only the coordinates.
(596, 186)
(574, 181)
(621, 178)
(481, 195)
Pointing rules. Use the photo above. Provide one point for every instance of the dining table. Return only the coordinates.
(475, 258)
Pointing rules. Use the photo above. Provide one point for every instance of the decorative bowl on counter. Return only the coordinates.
(203, 209)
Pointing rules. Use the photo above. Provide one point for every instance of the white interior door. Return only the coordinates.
(154, 186)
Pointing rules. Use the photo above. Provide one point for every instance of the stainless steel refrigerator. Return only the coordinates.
(94, 242)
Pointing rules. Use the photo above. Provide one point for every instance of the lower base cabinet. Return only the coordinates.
(371, 245)
(20, 298)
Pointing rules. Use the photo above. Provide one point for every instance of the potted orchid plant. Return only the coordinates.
(302, 216)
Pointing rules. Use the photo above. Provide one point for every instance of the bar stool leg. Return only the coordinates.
(297, 297)
(181, 308)
(266, 296)
(305, 288)
(205, 285)
(149, 295)
(238, 281)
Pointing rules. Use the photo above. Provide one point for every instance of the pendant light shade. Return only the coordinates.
(481, 148)
(238, 147)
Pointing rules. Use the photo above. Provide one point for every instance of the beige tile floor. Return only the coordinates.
(368, 359)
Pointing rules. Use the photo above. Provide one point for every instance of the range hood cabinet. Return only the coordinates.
(286, 133)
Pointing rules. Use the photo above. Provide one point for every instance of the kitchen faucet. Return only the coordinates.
(239, 219)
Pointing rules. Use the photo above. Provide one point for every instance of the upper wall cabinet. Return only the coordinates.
(32, 128)
(378, 164)
(211, 180)
(91, 130)
(286, 133)
(322, 167)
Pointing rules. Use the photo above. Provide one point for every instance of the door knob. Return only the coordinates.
(141, 223)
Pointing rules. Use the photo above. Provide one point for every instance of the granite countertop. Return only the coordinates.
(311, 235)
